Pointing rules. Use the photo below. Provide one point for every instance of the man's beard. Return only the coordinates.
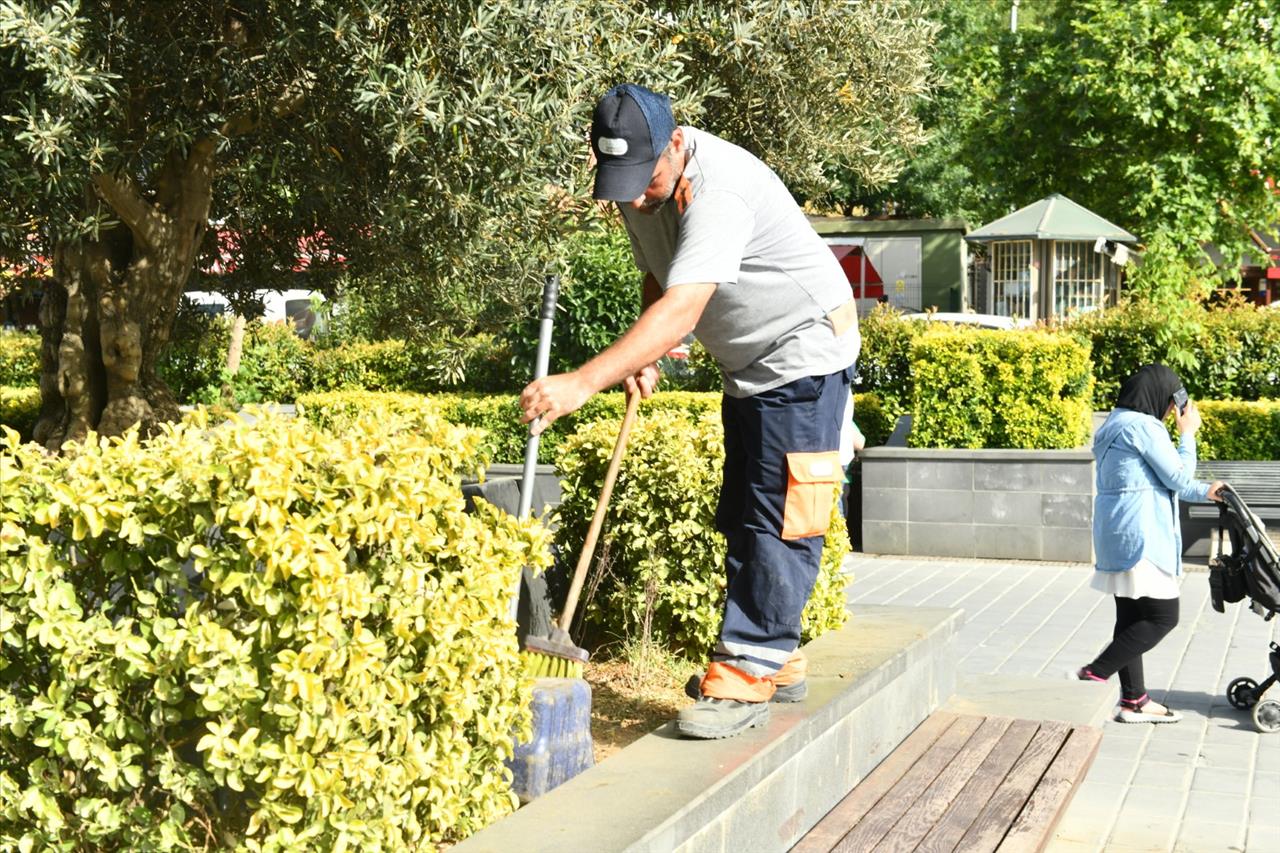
(654, 207)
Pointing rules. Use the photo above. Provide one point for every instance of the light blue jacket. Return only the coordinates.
(1140, 477)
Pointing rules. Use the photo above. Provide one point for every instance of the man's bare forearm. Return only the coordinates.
(662, 326)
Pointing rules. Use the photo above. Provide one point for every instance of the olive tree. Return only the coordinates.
(150, 140)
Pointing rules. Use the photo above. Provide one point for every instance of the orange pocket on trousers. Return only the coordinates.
(811, 490)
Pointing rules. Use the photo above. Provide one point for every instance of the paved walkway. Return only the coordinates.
(1209, 783)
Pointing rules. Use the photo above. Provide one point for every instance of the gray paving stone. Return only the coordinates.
(1195, 836)
(1217, 780)
(1224, 808)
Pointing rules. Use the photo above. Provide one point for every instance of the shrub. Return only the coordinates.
(660, 570)
(1236, 350)
(875, 423)
(993, 389)
(1237, 430)
(499, 417)
(19, 358)
(19, 409)
(194, 362)
(276, 365)
(259, 637)
(599, 299)
(884, 364)
(380, 366)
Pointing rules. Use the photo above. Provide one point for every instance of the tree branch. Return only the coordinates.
(289, 103)
(142, 219)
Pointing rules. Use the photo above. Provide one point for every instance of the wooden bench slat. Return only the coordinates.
(873, 786)
(944, 836)
(884, 814)
(1052, 796)
(911, 829)
(989, 829)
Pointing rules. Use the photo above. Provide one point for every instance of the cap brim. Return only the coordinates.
(618, 182)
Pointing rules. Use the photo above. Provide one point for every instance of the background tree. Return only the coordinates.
(439, 140)
(1158, 114)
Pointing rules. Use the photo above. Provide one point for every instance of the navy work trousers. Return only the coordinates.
(769, 577)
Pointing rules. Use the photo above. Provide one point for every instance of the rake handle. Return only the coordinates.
(602, 505)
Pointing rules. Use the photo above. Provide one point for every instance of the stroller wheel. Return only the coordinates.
(1242, 693)
(1266, 716)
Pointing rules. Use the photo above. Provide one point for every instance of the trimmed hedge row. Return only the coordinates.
(1000, 389)
(1236, 350)
(498, 415)
(1237, 430)
(19, 408)
(19, 358)
(258, 637)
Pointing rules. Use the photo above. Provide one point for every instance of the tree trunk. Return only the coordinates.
(110, 312)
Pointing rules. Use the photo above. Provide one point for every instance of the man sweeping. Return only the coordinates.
(727, 254)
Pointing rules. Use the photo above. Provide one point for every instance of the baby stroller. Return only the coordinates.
(1252, 568)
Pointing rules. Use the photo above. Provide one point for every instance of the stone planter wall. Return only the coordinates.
(1008, 504)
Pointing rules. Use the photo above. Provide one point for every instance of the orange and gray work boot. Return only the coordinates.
(731, 702)
(790, 681)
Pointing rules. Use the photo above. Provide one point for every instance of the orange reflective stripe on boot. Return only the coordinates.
(723, 681)
(793, 670)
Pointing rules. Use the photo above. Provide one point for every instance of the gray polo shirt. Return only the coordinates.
(776, 280)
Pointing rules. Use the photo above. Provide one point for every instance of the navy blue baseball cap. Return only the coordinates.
(629, 131)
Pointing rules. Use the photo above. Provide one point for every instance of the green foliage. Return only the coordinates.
(266, 637)
(1159, 116)
(19, 408)
(19, 358)
(599, 299)
(872, 419)
(977, 388)
(196, 358)
(1238, 431)
(380, 366)
(1235, 348)
(505, 436)
(698, 372)
(884, 364)
(659, 575)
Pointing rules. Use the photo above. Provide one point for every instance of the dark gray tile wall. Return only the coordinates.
(1003, 505)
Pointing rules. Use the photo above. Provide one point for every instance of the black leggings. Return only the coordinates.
(1140, 624)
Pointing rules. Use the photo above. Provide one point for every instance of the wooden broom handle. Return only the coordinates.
(602, 505)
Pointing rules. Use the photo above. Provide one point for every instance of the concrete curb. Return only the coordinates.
(871, 683)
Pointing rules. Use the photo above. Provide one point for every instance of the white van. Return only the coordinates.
(278, 306)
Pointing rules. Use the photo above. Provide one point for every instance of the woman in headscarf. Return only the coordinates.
(1137, 540)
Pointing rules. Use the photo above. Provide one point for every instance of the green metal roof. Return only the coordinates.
(1055, 217)
(836, 225)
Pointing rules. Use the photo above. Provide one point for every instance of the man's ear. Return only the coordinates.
(677, 139)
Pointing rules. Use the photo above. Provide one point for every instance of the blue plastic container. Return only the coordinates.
(561, 744)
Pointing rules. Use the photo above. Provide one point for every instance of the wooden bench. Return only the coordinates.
(962, 782)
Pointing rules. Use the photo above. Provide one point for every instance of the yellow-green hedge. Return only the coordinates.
(498, 415)
(1237, 431)
(266, 637)
(19, 408)
(662, 559)
(19, 358)
(998, 389)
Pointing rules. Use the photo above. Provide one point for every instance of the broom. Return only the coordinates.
(555, 656)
